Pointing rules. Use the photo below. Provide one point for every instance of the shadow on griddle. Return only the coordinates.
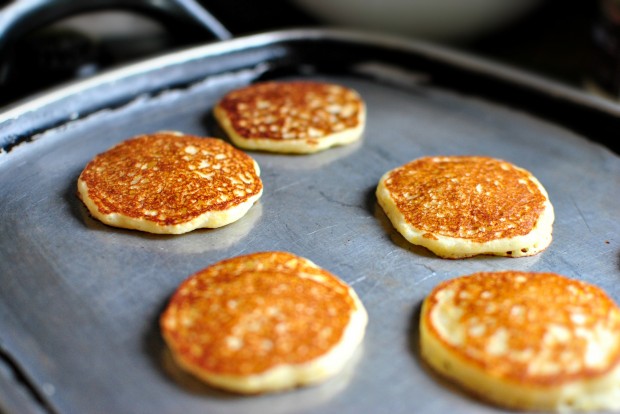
(212, 127)
(413, 333)
(70, 195)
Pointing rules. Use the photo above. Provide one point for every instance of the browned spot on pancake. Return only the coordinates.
(292, 110)
(474, 198)
(169, 179)
(251, 313)
(537, 328)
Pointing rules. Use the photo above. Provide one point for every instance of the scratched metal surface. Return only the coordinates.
(80, 301)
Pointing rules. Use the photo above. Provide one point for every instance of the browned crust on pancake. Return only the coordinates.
(169, 178)
(475, 198)
(544, 315)
(292, 110)
(245, 315)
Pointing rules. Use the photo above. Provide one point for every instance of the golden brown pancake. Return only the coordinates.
(263, 322)
(170, 183)
(461, 206)
(537, 341)
(291, 117)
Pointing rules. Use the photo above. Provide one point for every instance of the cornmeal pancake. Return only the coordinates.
(291, 117)
(461, 206)
(170, 183)
(263, 322)
(524, 340)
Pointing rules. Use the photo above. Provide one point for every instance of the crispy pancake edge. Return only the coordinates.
(284, 376)
(537, 240)
(584, 393)
(292, 146)
(209, 219)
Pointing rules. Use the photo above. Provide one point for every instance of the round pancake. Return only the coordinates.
(291, 117)
(170, 183)
(523, 340)
(462, 206)
(263, 322)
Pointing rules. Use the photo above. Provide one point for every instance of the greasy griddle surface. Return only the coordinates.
(80, 301)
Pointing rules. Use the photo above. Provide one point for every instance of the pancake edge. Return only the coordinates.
(602, 392)
(286, 376)
(209, 219)
(537, 240)
(294, 145)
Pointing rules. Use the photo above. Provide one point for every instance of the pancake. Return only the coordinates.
(170, 183)
(291, 117)
(462, 206)
(263, 322)
(535, 341)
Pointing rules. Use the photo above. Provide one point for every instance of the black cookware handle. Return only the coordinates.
(21, 17)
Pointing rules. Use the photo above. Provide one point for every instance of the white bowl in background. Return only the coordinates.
(450, 21)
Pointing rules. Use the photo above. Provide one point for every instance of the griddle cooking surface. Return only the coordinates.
(80, 301)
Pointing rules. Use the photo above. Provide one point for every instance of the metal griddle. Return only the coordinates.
(80, 301)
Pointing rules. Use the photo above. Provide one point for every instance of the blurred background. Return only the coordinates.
(573, 42)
